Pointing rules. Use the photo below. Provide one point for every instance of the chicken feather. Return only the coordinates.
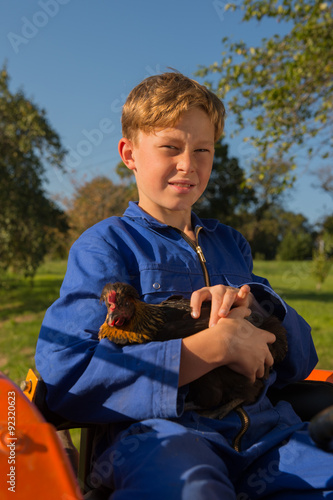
(130, 320)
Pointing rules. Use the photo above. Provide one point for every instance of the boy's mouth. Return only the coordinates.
(182, 184)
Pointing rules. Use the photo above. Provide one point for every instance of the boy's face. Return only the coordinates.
(172, 166)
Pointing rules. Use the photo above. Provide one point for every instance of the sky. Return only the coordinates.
(79, 59)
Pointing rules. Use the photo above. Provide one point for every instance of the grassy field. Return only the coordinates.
(294, 282)
(23, 304)
(22, 307)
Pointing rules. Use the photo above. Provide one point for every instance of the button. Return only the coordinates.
(156, 286)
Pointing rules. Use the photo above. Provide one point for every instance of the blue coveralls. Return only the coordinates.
(156, 450)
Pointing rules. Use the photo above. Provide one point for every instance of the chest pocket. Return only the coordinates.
(159, 282)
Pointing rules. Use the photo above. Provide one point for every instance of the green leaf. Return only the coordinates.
(283, 88)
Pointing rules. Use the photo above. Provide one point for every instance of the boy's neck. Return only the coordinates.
(179, 220)
(189, 232)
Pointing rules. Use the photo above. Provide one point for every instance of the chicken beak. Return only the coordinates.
(114, 320)
(110, 319)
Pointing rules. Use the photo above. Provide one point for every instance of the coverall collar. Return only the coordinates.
(135, 212)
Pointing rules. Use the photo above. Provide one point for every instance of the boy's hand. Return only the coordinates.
(223, 298)
(233, 342)
(247, 352)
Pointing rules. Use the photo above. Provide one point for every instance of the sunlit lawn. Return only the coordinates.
(22, 307)
(294, 282)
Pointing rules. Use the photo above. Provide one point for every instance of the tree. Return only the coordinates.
(328, 224)
(227, 194)
(262, 232)
(27, 145)
(127, 178)
(323, 258)
(282, 89)
(94, 201)
(325, 178)
(272, 232)
(295, 245)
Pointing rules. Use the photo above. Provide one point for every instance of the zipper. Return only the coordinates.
(197, 249)
(245, 420)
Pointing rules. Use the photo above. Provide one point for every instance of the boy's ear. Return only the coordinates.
(125, 148)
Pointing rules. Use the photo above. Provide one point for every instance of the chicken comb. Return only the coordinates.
(112, 297)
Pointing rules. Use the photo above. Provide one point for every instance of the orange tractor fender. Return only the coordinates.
(33, 462)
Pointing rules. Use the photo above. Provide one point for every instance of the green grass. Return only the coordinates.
(294, 282)
(23, 304)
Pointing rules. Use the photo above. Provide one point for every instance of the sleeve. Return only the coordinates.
(98, 381)
(301, 357)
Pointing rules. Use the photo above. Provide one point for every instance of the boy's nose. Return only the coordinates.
(185, 163)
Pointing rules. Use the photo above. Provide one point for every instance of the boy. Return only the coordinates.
(156, 449)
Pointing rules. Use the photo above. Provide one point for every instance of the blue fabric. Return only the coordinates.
(92, 381)
(191, 459)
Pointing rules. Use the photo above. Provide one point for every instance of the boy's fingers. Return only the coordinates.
(222, 302)
(243, 291)
(271, 338)
(229, 298)
(197, 299)
(269, 361)
(214, 312)
(244, 296)
(240, 312)
(232, 297)
(215, 294)
(260, 372)
(222, 299)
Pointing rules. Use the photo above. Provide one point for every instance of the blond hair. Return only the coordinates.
(158, 101)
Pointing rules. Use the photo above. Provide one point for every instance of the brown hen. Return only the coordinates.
(130, 320)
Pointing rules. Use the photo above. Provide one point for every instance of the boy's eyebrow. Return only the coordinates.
(172, 138)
